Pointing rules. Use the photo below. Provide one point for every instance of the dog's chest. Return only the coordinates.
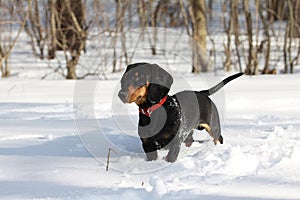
(164, 120)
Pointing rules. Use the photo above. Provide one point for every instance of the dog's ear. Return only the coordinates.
(160, 83)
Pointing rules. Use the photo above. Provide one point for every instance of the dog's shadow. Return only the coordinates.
(95, 143)
(98, 144)
(67, 146)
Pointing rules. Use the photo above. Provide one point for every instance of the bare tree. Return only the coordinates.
(185, 17)
(292, 30)
(8, 22)
(294, 8)
(37, 24)
(68, 31)
(276, 10)
(121, 8)
(167, 13)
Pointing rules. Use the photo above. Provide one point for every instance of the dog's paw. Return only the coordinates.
(171, 160)
(220, 140)
(188, 144)
(151, 156)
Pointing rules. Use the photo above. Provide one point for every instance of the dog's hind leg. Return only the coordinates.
(214, 132)
(211, 124)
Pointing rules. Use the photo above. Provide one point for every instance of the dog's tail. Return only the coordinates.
(221, 84)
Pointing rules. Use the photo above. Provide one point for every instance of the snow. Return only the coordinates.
(53, 144)
(55, 134)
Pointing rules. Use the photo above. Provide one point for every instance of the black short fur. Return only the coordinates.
(173, 123)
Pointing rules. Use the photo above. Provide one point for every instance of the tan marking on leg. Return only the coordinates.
(165, 136)
(208, 129)
(216, 141)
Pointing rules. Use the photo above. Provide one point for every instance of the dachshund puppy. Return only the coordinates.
(167, 121)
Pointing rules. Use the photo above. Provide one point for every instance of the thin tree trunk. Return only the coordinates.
(292, 26)
(118, 28)
(1, 61)
(255, 52)
(123, 36)
(250, 68)
(266, 69)
(38, 25)
(227, 47)
(53, 32)
(276, 10)
(71, 68)
(235, 28)
(185, 18)
(6, 70)
(295, 6)
(210, 8)
(199, 35)
(286, 35)
(154, 28)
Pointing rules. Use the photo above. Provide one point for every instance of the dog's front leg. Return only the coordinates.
(150, 149)
(174, 150)
(151, 156)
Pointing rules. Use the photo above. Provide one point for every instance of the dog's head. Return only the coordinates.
(144, 81)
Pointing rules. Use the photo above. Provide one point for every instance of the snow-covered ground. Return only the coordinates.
(50, 149)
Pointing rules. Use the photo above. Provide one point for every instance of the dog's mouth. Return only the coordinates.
(134, 95)
(131, 99)
(138, 100)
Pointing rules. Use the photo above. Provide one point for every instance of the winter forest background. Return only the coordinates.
(61, 36)
(55, 134)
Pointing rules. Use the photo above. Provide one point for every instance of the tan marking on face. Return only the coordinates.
(138, 95)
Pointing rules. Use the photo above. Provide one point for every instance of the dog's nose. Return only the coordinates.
(122, 95)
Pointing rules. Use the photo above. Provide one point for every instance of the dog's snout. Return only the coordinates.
(122, 95)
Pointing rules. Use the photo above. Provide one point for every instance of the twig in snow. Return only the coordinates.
(108, 157)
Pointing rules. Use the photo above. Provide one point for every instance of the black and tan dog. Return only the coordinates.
(167, 121)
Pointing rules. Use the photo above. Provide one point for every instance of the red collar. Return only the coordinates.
(148, 111)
